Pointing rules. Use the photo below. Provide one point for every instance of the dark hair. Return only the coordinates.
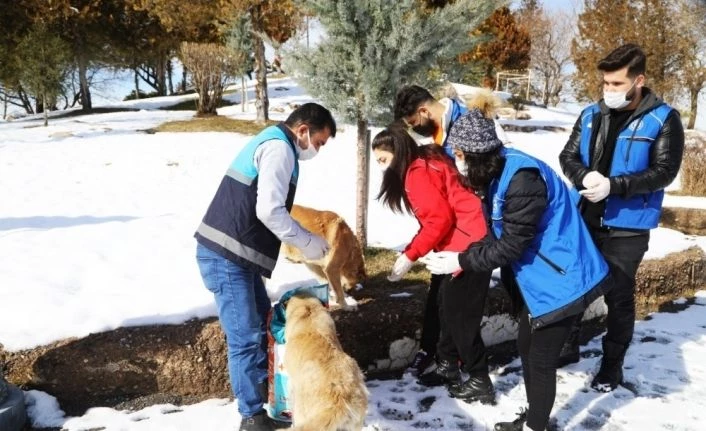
(483, 167)
(409, 99)
(629, 55)
(313, 115)
(405, 150)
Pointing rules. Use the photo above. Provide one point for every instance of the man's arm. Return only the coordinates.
(570, 157)
(274, 161)
(665, 160)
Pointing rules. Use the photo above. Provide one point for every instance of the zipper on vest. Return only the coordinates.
(627, 154)
(554, 266)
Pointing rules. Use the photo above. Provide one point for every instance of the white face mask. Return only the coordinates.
(384, 167)
(310, 152)
(617, 99)
(462, 167)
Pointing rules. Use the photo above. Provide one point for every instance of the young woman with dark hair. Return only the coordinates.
(423, 181)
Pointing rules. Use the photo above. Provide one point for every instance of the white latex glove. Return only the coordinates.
(316, 248)
(592, 179)
(400, 268)
(443, 262)
(598, 192)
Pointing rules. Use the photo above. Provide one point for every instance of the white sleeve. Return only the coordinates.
(501, 133)
(274, 161)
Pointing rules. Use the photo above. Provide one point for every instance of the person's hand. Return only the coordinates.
(599, 191)
(443, 262)
(400, 268)
(316, 248)
(592, 179)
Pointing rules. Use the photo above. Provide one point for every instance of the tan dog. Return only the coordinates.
(326, 386)
(343, 266)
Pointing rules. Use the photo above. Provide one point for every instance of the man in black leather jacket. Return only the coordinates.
(622, 153)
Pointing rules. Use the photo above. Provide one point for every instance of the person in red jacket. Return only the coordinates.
(423, 181)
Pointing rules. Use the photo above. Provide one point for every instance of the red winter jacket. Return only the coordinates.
(450, 215)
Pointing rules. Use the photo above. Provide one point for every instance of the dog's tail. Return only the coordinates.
(487, 102)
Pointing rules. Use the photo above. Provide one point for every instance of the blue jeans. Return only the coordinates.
(243, 305)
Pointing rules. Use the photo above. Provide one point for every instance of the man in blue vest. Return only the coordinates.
(239, 241)
(622, 153)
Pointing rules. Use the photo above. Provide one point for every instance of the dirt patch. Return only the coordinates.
(131, 368)
(691, 221)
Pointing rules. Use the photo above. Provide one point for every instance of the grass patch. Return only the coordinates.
(379, 262)
(190, 105)
(216, 123)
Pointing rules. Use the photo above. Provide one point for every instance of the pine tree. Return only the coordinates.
(239, 45)
(371, 48)
(44, 65)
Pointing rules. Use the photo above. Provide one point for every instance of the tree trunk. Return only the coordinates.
(137, 85)
(244, 96)
(183, 79)
(262, 103)
(362, 181)
(170, 72)
(161, 76)
(83, 79)
(46, 115)
(4, 107)
(547, 92)
(694, 95)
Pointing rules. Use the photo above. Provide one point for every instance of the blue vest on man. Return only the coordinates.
(457, 109)
(631, 156)
(562, 265)
(230, 226)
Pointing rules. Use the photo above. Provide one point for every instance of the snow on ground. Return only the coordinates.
(96, 226)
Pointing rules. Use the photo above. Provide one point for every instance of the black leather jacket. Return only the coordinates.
(665, 153)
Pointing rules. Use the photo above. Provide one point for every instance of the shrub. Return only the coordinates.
(693, 165)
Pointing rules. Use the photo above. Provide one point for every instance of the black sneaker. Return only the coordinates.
(258, 422)
(515, 425)
(610, 375)
(476, 388)
(421, 364)
(445, 373)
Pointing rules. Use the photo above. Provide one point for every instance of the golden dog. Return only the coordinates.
(326, 386)
(343, 266)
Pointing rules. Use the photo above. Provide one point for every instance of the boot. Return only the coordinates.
(421, 364)
(610, 375)
(446, 373)
(516, 425)
(476, 388)
(570, 351)
(258, 422)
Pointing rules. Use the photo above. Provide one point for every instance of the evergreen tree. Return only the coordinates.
(373, 47)
(44, 65)
(507, 46)
(606, 24)
(239, 45)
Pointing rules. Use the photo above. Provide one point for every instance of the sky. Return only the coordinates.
(98, 219)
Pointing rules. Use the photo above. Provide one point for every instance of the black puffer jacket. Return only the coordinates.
(665, 153)
(525, 203)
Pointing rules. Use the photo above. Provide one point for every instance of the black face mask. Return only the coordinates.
(427, 129)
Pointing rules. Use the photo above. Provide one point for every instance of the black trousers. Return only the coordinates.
(461, 304)
(623, 254)
(430, 326)
(539, 351)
